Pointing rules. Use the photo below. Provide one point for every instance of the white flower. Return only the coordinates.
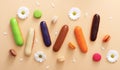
(40, 56)
(74, 13)
(23, 12)
(112, 56)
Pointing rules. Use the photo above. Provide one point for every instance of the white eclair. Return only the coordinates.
(29, 42)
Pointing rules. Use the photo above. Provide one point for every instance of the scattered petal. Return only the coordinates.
(110, 18)
(36, 40)
(48, 66)
(56, 33)
(5, 33)
(21, 59)
(86, 14)
(54, 19)
(53, 5)
(37, 3)
(73, 60)
(102, 48)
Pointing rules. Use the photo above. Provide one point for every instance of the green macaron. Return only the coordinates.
(37, 14)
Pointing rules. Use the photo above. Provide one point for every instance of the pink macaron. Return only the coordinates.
(96, 57)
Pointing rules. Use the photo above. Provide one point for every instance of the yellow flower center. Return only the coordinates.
(74, 13)
(23, 12)
(40, 56)
(112, 56)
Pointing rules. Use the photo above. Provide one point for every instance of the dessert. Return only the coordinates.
(60, 39)
(29, 42)
(96, 57)
(95, 27)
(71, 46)
(80, 39)
(16, 32)
(37, 14)
(45, 33)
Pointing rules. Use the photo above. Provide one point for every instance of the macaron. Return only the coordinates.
(37, 14)
(96, 57)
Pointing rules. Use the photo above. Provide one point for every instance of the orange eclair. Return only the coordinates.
(80, 39)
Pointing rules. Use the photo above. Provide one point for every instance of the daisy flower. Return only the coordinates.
(40, 56)
(23, 12)
(74, 13)
(112, 56)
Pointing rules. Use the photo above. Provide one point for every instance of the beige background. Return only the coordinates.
(109, 11)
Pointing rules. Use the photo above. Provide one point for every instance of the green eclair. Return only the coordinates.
(16, 32)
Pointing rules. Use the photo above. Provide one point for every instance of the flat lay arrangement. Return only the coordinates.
(56, 37)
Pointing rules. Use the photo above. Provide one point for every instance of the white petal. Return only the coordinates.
(36, 55)
(54, 19)
(40, 60)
